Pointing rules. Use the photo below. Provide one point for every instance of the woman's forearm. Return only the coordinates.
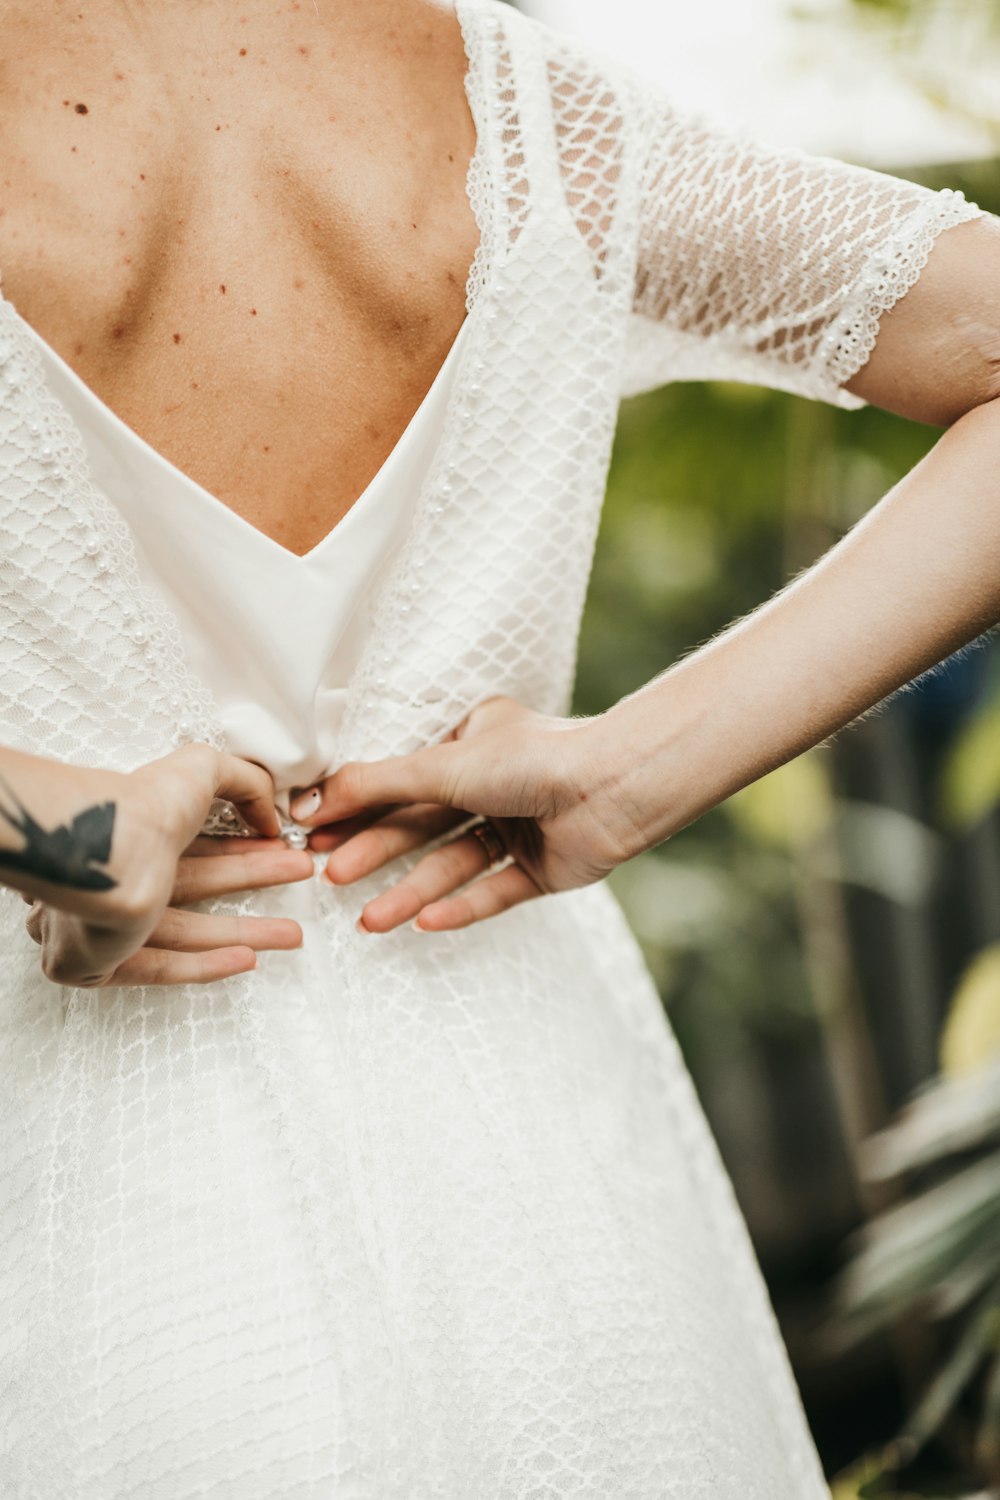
(918, 577)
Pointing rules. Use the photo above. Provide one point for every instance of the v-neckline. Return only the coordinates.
(223, 511)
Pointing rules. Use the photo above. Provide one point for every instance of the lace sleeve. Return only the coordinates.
(765, 264)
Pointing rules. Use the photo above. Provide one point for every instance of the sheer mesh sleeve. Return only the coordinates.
(765, 264)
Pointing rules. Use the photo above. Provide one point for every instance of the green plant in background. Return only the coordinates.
(936, 1253)
(970, 782)
(717, 494)
(869, 1481)
(944, 47)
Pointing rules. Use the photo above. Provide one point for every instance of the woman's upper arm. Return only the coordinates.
(769, 265)
(938, 350)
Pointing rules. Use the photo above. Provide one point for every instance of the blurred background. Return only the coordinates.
(828, 943)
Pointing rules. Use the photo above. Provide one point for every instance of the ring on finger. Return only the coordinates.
(494, 846)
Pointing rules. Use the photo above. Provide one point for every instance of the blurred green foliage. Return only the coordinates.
(717, 494)
(949, 49)
(694, 534)
(936, 1252)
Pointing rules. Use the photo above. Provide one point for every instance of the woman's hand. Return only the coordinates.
(187, 947)
(533, 776)
(137, 932)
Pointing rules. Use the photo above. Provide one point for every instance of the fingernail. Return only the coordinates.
(305, 806)
(415, 924)
(359, 926)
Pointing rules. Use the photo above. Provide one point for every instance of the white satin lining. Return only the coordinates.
(275, 635)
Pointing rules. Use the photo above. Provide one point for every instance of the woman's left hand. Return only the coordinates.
(532, 776)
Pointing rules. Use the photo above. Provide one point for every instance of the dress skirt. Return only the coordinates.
(433, 1216)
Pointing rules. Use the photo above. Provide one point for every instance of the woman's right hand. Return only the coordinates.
(138, 932)
(186, 947)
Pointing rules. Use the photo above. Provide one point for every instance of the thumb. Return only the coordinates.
(250, 788)
(430, 774)
(186, 780)
(242, 782)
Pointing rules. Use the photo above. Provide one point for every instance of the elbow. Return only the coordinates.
(964, 380)
(972, 373)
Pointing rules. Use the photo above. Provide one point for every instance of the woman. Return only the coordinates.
(419, 1216)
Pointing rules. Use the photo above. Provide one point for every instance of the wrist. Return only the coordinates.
(639, 759)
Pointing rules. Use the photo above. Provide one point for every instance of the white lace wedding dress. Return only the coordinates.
(412, 1217)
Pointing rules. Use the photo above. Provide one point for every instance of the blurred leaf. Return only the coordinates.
(944, 1117)
(988, 1435)
(977, 1340)
(970, 780)
(910, 1248)
(789, 808)
(971, 1035)
(868, 1479)
(674, 901)
(884, 850)
(957, 1290)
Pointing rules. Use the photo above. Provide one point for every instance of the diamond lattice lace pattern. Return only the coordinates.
(766, 264)
(411, 1218)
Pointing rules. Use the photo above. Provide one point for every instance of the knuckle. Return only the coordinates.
(159, 969)
(247, 868)
(351, 780)
(170, 929)
(200, 761)
(185, 891)
(456, 856)
(132, 905)
(384, 841)
(58, 966)
(92, 981)
(262, 779)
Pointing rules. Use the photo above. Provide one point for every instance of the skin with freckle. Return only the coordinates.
(143, 179)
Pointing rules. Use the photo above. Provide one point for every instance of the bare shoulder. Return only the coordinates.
(86, 141)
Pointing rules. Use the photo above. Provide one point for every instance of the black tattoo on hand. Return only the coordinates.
(66, 855)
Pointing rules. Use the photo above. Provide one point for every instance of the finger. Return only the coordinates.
(200, 932)
(485, 898)
(201, 879)
(210, 843)
(250, 788)
(332, 835)
(426, 775)
(437, 874)
(387, 839)
(34, 921)
(154, 966)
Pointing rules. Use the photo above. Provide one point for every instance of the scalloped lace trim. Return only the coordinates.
(890, 272)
